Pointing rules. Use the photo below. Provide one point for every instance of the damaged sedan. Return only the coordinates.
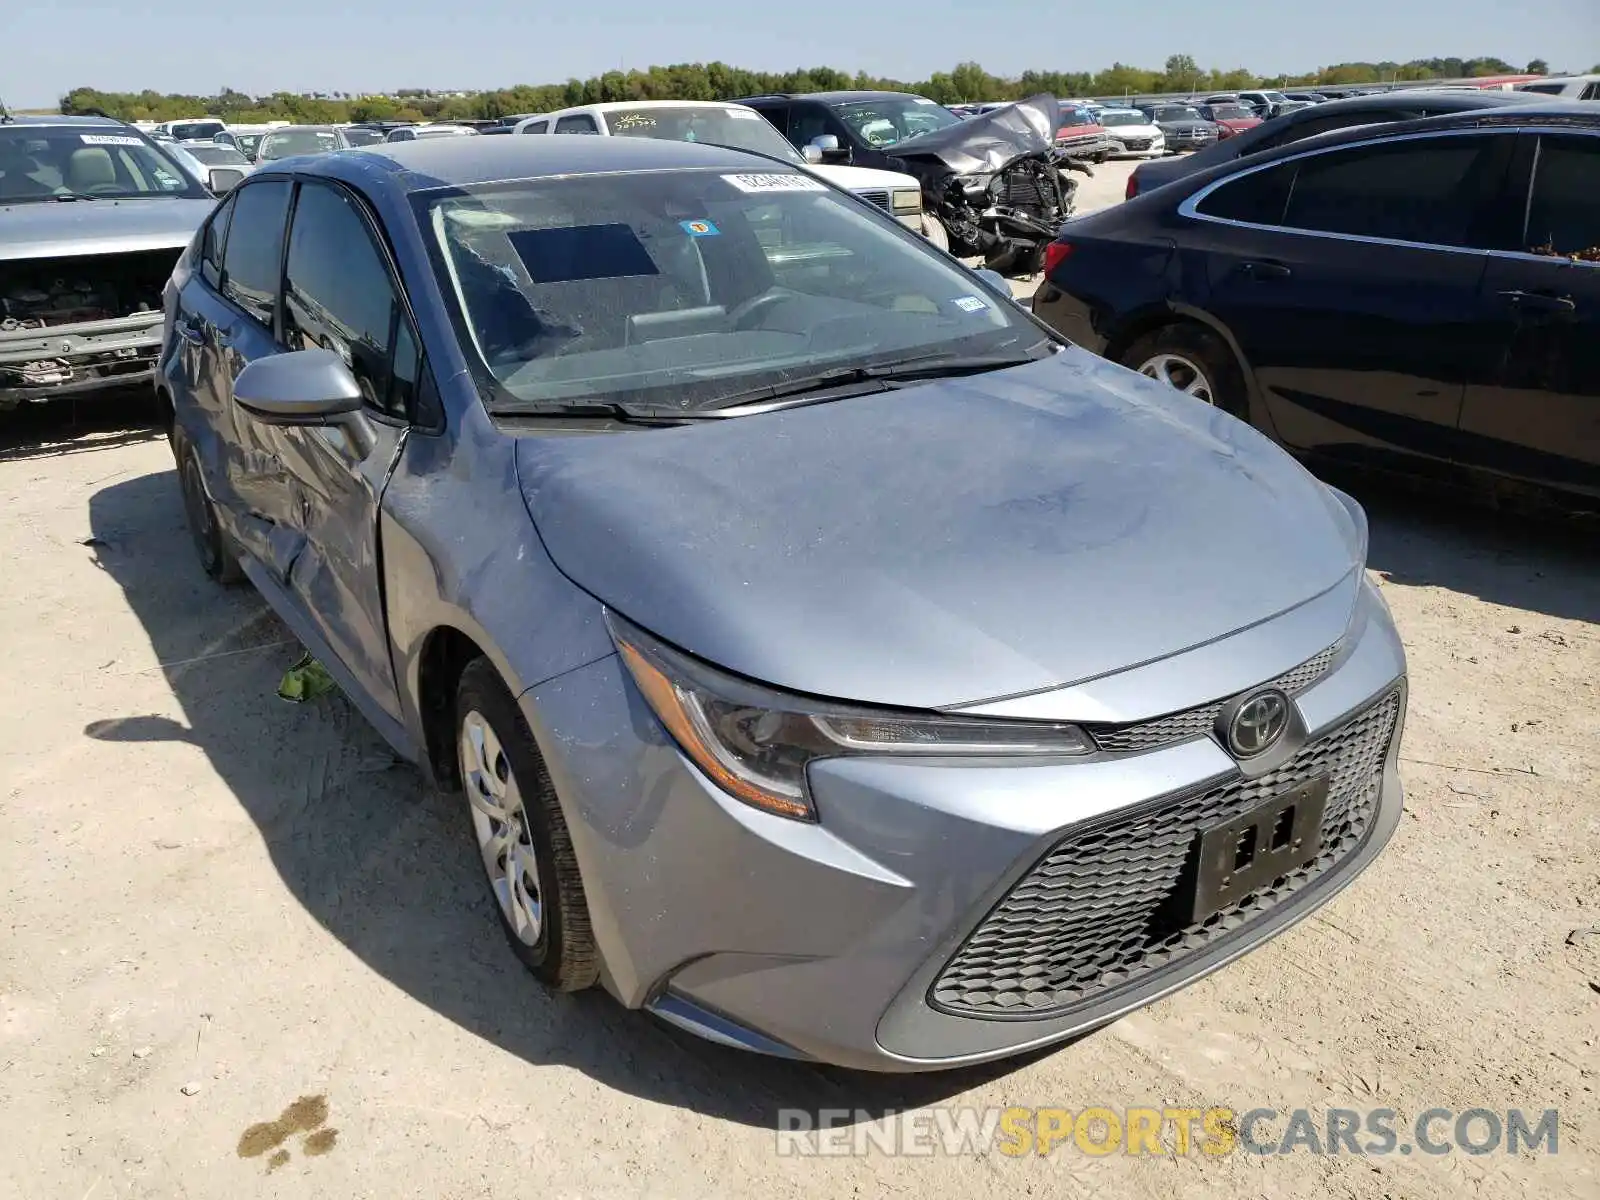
(993, 181)
(819, 652)
(92, 219)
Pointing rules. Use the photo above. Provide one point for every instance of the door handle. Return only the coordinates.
(1540, 301)
(1265, 270)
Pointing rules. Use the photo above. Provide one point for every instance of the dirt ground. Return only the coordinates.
(244, 954)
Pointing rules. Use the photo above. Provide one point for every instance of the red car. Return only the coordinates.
(1081, 135)
(1229, 118)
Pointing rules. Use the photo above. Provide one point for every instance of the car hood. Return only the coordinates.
(854, 179)
(1240, 124)
(1186, 125)
(946, 543)
(987, 142)
(51, 229)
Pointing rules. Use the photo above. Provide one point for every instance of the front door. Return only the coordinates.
(339, 294)
(1349, 279)
(1539, 419)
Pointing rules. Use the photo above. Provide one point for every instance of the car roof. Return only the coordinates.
(461, 162)
(301, 128)
(90, 122)
(830, 97)
(619, 105)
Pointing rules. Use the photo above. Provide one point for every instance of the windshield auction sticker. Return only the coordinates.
(108, 139)
(775, 183)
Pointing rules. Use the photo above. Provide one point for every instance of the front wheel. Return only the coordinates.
(521, 835)
(1193, 360)
(212, 545)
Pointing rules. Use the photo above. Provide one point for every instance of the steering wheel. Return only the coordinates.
(746, 315)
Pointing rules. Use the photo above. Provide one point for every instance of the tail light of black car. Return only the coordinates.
(1055, 254)
(1133, 187)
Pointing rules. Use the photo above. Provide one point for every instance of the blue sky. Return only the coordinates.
(353, 45)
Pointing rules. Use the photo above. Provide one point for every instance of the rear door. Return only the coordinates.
(1349, 278)
(1539, 419)
(234, 324)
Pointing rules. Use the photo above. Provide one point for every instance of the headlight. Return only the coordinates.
(756, 743)
(906, 200)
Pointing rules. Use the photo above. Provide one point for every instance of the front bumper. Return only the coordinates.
(64, 360)
(846, 940)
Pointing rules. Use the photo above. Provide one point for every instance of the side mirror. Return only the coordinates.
(999, 284)
(222, 180)
(828, 147)
(812, 153)
(305, 387)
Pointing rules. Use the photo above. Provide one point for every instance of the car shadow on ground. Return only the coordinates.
(384, 861)
(1548, 565)
(75, 424)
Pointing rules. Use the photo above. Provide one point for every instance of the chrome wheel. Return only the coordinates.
(1174, 370)
(498, 818)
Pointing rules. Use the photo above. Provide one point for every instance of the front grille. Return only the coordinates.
(881, 199)
(1199, 721)
(1109, 904)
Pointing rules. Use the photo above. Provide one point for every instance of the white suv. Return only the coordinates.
(743, 128)
(1570, 87)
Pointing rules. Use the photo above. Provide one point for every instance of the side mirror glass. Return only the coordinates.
(222, 180)
(305, 387)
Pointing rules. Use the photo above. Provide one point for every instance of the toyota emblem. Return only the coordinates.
(1258, 723)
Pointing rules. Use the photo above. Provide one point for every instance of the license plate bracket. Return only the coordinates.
(1256, 847)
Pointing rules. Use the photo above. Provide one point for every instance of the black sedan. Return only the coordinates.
(1306, 122)
(1422, 296)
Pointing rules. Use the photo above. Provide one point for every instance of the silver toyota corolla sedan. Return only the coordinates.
(831, 660)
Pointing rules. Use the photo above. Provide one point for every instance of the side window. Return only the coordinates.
(338, 294)
(211, 245)
(577, 123)
(1256, 199)
(1592, 92)
(810, 121)
(1435, 191)
(254, 253)
(538, 127)
(1564, 210)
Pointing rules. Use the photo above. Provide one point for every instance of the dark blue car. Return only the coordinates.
(1422, 296)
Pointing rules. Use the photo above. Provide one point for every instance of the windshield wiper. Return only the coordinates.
(64, 197)
(884, 375)
(594, 410)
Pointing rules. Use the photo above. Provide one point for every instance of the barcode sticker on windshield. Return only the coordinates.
(744, 114)
(922, 100)
(969, 304)
(108, 139)
(775, 183)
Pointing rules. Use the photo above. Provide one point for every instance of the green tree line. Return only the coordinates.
(966, 81)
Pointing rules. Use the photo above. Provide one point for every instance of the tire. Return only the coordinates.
(502, 772)
(1194, 360)
(218, 556)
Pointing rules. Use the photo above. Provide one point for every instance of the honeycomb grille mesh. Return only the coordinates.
(1198, 722)
(1110, 904)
